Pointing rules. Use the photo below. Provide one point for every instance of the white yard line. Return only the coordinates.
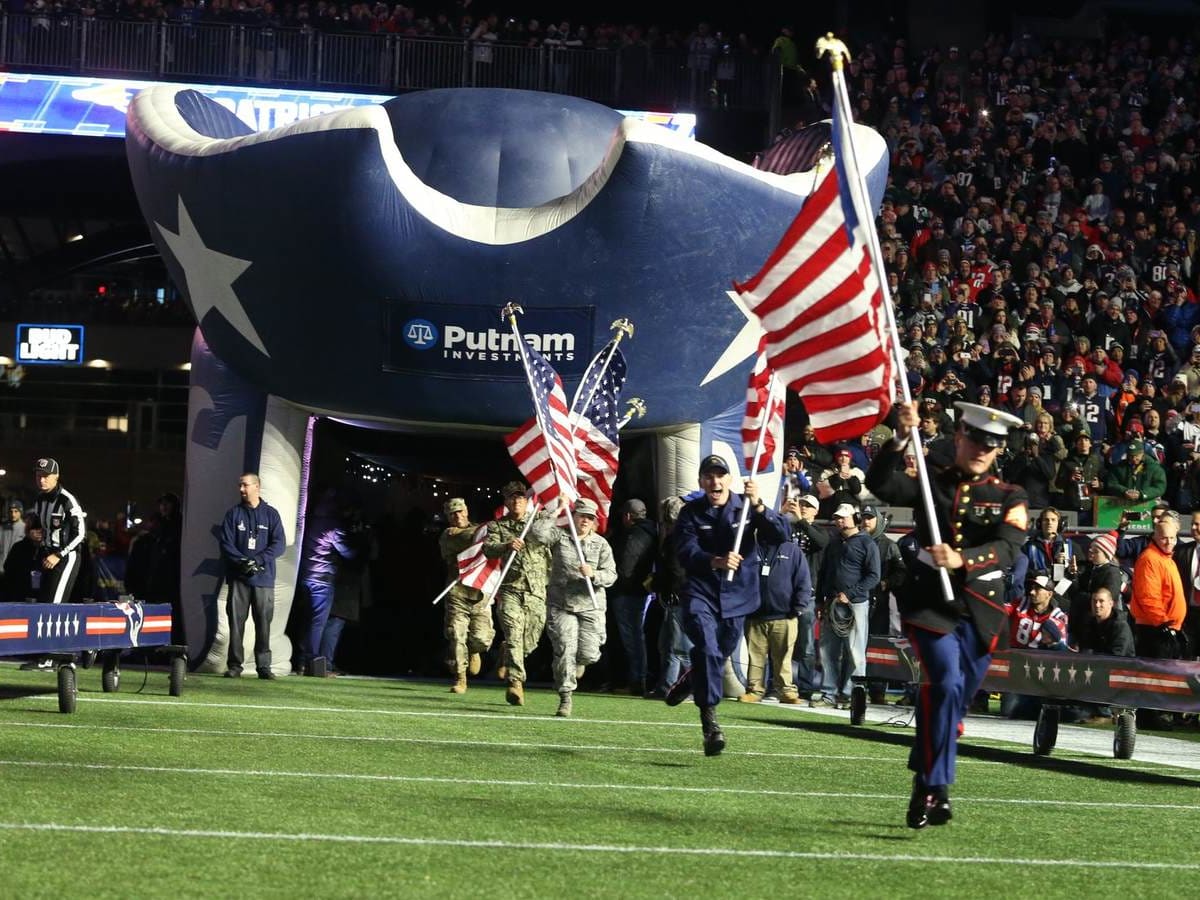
(899, 759)
(399, 840)
(568, 785)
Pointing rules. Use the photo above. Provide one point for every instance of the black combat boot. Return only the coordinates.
(714, 737)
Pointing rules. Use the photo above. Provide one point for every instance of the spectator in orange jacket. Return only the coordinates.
(1158, 605)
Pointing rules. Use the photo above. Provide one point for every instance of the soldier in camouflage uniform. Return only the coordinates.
(576, 620)
(469, 626)
(522, 597)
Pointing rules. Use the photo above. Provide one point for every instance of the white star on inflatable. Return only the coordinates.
(743, 345)
(210, 275)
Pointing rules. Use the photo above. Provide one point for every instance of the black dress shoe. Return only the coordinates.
(714, 737)
(680, 690)
(918, 805)
(266, 675)
(938, 810)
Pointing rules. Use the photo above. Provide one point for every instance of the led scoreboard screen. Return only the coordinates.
(95, 107)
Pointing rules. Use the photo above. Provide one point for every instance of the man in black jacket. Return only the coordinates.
(891, 572)
(1106, 631)
(801, 514)
(849, 574)
(634, 548)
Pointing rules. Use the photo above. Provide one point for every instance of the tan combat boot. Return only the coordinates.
(515, 694)
(475, 664)
(460, 685)
(564, 704)
(501, 668)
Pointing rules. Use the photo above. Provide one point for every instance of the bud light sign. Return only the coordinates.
(60, 345)
(471, 341)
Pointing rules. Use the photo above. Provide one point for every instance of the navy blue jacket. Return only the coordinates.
(851, 567)
(264, 524)
(786, 590)
(705, 531)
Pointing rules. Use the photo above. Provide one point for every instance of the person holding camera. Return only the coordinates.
(251, 540)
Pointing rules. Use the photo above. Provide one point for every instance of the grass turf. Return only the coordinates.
(352, 788)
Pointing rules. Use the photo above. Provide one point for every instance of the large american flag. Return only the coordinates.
(476, 570)
(759, 405)
(543, 448)
(821, 304)
(595, 414)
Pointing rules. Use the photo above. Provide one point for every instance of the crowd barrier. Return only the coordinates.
(1122, 683)
(63, 633)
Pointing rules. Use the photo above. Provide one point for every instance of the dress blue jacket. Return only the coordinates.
(705, 531)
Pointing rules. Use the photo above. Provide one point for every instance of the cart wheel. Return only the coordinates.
(1045, 733)
(110, 679)
(67, 691)
(1125, 737)
(858, 705)
(178, 672)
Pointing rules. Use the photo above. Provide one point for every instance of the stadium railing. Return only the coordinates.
(305, 57)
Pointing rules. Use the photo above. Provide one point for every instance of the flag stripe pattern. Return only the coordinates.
(543, 448)
(597, 440)
(477, 571)
(757, 405)
(821, 304)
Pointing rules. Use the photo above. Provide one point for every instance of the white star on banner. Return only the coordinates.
(210, 275)
(39, 630)
(1087, 675)
(742, 347)
(1071, 671)
(75, 624)
(1056, 672)
(1041, 671)
(1028, 671)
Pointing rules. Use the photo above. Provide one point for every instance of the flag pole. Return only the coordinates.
(637, 409)
(510, 312)
(623, 327)
(513, 553)
(507, 563)
(758, 445)
(838, 54)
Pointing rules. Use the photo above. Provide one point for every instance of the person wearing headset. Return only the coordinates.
(1046, 549)
(849, 572)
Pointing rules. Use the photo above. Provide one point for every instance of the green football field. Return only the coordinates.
(373, 788)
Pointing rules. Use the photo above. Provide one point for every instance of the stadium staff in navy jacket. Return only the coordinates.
(714, 608)
(785, 588)
(252, 539)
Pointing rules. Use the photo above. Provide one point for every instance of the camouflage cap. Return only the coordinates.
(585, 507)
(456, 504)
(513, 487)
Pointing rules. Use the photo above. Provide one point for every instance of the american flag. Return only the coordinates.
(758, 404)
(795, 152)
(542, 448)
(821, 304)
(476, 570)
(597, 443)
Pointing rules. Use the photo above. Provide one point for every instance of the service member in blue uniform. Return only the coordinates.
(715, 609)
(983, 522)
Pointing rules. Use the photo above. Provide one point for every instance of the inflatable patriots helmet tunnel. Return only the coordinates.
(354, 265)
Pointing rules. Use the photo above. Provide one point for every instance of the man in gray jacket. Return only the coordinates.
(575, 615)
(849, 573)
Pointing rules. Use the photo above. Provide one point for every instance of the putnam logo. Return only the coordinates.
(495, 345)
(420, 334)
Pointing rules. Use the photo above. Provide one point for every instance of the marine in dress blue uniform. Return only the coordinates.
(714, 608)
(982, 521)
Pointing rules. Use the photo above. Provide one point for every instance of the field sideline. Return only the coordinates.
(362, 787)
